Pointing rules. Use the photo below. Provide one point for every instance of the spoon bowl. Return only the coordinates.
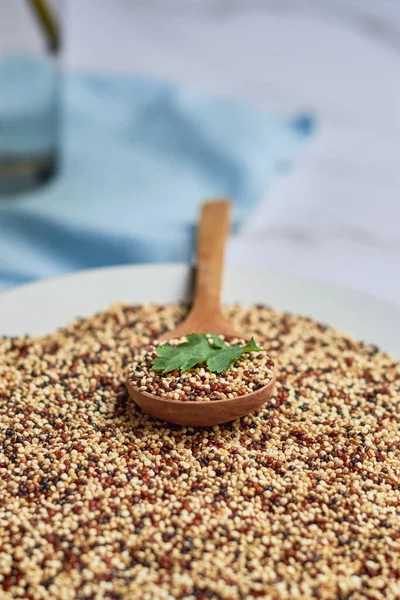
(201, 413)
(206, 316)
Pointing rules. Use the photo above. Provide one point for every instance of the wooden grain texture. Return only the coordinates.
(205, 317)
(201, 414)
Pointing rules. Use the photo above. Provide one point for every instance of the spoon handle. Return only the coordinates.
(212, 235)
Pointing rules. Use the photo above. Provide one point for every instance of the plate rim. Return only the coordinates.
(163, 265)
(30, 309)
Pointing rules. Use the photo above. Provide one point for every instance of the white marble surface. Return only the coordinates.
(337, 216)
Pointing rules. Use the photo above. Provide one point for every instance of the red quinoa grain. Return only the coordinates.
(249, 373)
(100, 501)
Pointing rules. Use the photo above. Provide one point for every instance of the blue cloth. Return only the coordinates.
(139, 157)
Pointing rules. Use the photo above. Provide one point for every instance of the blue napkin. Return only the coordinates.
(139, 157)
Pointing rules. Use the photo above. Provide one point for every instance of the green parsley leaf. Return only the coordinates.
(222, 361)
(251, 346)
(218, 342)
(218, 356)
(197, 350)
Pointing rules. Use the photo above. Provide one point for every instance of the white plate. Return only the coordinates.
(41, 307)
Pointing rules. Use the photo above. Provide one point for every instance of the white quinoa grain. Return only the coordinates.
(249, 373)
(100, 501)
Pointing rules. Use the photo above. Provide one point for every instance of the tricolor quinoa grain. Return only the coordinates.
(100, 501)
(248, 374)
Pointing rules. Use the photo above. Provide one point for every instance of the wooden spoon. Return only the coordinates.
(206, 316)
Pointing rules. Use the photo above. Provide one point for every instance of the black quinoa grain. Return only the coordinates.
(99, 500)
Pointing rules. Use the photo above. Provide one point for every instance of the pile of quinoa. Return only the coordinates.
(248, 374)
(100, 501)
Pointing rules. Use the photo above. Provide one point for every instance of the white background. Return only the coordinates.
(337, 216)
